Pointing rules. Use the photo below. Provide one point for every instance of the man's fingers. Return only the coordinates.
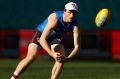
(61, 59)
(59, 55)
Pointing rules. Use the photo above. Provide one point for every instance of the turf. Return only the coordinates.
(72, 70)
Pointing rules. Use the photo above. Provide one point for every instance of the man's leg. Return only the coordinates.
(58, 66)
(32, 51)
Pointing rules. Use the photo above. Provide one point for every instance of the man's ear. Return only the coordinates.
(64, 10)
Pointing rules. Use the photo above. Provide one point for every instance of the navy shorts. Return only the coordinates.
(35, 37)
(51, 40)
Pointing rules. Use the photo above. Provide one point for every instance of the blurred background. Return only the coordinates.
(18, 19)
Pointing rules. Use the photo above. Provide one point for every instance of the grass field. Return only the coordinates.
(72, 70)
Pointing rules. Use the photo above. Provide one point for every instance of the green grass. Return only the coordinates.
(72, 70)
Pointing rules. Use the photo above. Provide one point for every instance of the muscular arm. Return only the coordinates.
(52, 21)
(76, 34)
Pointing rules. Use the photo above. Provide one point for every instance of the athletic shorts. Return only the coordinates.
(51, 40)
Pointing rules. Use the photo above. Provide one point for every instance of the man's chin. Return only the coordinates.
(71, 20)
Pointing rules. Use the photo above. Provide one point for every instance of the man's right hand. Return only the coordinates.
(57, 56)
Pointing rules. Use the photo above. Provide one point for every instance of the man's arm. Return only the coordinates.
(76, 34)
(52, 21)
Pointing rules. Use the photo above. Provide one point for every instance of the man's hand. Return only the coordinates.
(57, 56)
(65, 59)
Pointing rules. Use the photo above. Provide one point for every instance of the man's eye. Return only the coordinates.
(69, 12)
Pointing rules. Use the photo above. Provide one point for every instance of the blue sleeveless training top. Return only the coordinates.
(61, 28)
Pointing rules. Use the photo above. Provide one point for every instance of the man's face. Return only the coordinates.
(69, 15)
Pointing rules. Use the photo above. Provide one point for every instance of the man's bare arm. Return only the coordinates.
(76, 34)
(52, 21)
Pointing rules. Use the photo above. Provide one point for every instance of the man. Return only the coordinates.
(49, 36)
